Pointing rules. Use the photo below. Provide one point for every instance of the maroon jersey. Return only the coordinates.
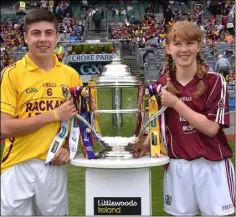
(186, 142)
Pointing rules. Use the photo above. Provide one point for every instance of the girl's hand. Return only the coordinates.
(168, 99)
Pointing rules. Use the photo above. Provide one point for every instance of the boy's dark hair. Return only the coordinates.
(39, 15)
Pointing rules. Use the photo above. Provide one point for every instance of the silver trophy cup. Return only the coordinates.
(117, 118)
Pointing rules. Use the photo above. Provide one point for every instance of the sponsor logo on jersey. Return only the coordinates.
(39, 106)
(168, 200)
(221, 104)
(186, 98)
(49, 84)
(226, 207)
(42, 105)
(31, 90)
(65, 90)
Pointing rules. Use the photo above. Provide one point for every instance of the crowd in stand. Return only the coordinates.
(147, 32)
(150, 31)
(12, 39)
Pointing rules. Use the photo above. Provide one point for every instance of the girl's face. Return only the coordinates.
(183, 52)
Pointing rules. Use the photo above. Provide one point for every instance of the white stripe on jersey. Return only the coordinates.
(224, 97)
(220, 111)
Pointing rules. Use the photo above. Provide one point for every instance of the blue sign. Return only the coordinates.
(88, 68)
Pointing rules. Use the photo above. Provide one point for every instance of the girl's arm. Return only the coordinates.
(197, 120)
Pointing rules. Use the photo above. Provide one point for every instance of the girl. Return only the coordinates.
(200, 175)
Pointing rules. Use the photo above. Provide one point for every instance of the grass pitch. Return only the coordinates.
(76, 187)
(76, 175)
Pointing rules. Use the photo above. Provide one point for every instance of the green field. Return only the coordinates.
(76, 181)
(76, 186)
(76, 175)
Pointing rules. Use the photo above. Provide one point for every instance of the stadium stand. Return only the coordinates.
(138, 26)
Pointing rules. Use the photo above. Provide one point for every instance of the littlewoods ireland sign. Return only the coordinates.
(117, 206)
(91, 57)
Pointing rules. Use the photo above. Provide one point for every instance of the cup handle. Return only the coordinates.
(97, 136)
(163, 108)
(149, 92)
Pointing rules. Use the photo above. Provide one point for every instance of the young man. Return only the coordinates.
(32, 106)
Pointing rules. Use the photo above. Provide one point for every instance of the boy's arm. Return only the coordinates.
(12, 127)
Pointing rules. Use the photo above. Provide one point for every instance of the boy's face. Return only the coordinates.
(41, 38)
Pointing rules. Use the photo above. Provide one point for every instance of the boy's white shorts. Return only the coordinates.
(208, 186)
(32, 188)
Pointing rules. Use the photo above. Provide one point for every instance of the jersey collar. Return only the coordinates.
(30, 65)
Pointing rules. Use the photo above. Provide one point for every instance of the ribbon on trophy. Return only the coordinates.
(86, 127)
(95, 102)
(86, 136)
(73, 127)
(74, 137)
(156, 143)
(90, 129)
(62, 135)
(157, 136)
(76, 94)
(58, 141)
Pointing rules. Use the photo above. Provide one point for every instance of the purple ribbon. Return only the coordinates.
(86, 136)
(153, 89)
(76, 91)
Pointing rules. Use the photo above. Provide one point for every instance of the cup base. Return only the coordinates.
(118, 155)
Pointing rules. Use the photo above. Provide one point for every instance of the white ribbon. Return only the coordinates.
(163, 130)
(61, 136)
(58, 141)
(74, 137)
